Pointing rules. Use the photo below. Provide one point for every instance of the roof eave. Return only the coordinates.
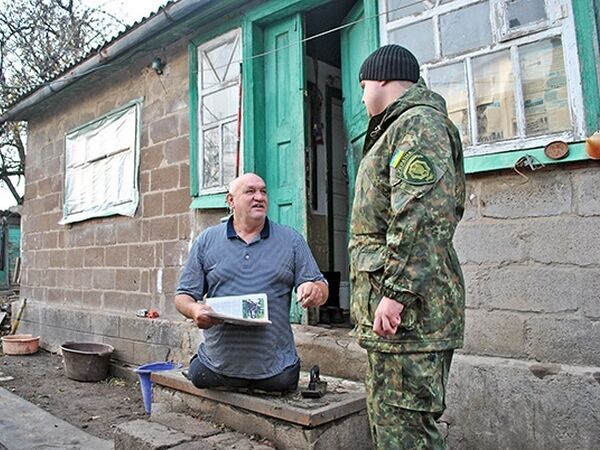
(165, 17)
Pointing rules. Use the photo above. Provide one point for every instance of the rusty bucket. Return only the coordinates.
(86, 361)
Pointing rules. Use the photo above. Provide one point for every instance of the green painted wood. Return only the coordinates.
(357, 41)
(193, 113)
(284, 122)
(586, 27)
(283, 148)
(280, 9)
(212, 201)
(253, 87)
(12, 249)
(507, 160)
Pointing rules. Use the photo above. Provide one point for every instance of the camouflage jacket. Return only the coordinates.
(409, 198)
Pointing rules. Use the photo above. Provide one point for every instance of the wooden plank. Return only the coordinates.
(306, 413)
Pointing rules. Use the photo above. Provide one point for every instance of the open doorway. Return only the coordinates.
(326, 174)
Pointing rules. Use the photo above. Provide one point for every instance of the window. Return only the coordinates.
(500, 65)
(102, 160)
(219, 110)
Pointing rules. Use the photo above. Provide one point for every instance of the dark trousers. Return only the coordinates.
(202, 377)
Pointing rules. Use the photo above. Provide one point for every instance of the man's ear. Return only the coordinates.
(229, 200)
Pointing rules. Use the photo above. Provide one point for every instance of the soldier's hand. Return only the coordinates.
(201, 319)
(309, 295)
(387, 317)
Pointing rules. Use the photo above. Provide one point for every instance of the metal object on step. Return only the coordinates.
(316, 387)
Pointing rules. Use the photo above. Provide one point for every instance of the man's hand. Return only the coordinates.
(201, 319)
(387, 317)
(312, 293)
(187, 306)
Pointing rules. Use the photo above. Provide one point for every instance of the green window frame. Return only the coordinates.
(571, 22)
(215, 109)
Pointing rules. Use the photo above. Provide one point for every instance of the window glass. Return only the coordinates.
(465, 29)
(544, 81)
(220, 62)
(102, 160)
(229, 142)
(219, 103)
(450, 82)
(523, 12)
(402, 8)
(212, 161)
(418, 38)
(494, 97)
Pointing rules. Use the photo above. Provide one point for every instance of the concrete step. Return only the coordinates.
(25, 426)
(181, 432)
(337, 421)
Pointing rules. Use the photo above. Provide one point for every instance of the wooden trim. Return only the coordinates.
(587, 36)
(507, 160)
(307, 417)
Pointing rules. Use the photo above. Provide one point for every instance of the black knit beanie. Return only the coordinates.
(390, 62)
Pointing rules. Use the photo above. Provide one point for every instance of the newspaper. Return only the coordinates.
(248, 310)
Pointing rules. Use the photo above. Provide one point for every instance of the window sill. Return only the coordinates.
(507, 160)
(211, 201)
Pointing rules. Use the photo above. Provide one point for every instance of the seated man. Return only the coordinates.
(246, 255)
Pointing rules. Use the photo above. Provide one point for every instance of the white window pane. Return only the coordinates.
(220, 105)
(211, 158)
(523, 12)
(465, 29)
(402, 8)
(545, 92)
(105, 181)
(494, 97)
(418, 38)
(450, 82)
(229, 140)
(220, 63)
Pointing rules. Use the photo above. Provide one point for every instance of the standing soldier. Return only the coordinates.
(408, 289)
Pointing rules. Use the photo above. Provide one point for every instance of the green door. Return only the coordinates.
(358, 41)
(284, 146)
(284, 122)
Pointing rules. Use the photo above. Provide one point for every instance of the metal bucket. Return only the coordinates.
(86, 361)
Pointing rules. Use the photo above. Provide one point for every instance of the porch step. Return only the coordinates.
(337, 421)
(181, 432)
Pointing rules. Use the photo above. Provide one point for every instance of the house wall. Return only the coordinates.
(86, 280)
(529, 373)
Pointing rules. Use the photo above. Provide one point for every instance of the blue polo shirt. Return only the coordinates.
(275, 262)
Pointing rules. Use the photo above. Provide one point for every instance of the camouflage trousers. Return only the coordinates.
(405, 397)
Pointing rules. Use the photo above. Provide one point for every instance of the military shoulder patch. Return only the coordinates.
(415, 168)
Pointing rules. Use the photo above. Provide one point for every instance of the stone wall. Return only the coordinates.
(115, 265)
(529, 374)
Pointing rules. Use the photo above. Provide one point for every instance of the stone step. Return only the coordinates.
(337, 421)
(181, 432)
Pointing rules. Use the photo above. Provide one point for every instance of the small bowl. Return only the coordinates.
(20, 344)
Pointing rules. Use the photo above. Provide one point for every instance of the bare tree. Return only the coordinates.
(39, 39)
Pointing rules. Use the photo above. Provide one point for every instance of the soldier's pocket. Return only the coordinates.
(369, 271)
(423, 382)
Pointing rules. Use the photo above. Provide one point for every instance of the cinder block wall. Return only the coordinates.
(108, 268)
(529, 374)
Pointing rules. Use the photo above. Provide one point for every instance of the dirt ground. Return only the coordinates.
(96, 407)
